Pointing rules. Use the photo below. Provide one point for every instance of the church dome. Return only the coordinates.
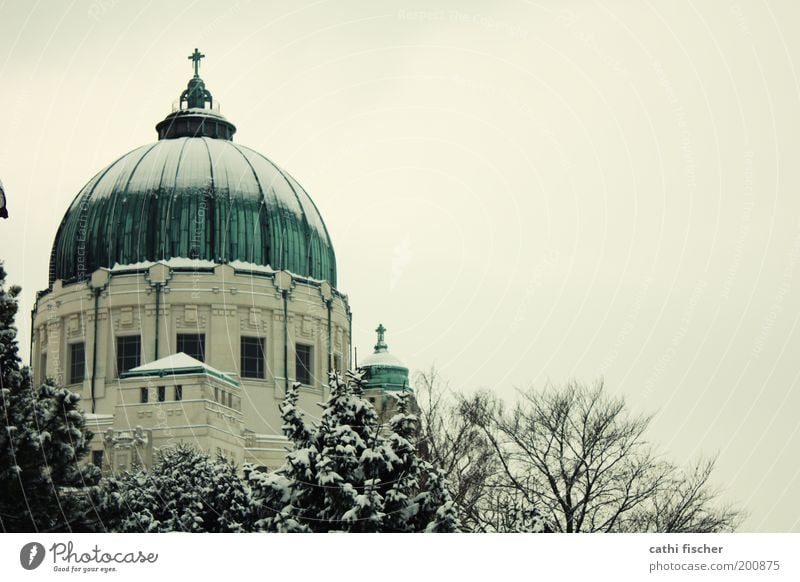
(382, 369)
(193, 194)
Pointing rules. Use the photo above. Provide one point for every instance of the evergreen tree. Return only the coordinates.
(287, 500)
(185, 490)
(43, 437)
(349, 473)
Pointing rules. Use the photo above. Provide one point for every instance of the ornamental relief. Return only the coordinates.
(124, 318)
(306, 326)
(255, 319)
(191, 317)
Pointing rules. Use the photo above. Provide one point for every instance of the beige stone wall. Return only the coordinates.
(223, 304)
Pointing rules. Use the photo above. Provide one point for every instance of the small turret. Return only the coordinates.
(196, 116)
(384, 370)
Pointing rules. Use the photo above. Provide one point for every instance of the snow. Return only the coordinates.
(243, 266)
(176, 362)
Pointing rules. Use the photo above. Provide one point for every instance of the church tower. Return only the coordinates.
(385, 375)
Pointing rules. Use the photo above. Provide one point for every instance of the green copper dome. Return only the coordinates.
(382, 369)
(193, 194)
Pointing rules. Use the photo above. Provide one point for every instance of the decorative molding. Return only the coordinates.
(223, 310)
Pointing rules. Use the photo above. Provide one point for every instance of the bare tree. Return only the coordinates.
(450, 441)
(688, 503)
(578, 457)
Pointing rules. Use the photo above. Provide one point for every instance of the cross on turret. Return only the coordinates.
(195, 58)
(381, 345)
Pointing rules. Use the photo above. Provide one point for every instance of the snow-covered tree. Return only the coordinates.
(43, 437)
(186, 490)
(348, 473)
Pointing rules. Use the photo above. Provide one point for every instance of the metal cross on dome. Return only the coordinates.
(195, 58)
(381, 345)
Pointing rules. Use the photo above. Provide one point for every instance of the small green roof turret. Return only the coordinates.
(382, 369)
(196, 115)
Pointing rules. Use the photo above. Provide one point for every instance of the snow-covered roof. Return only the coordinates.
(177, 364)
(174, 263)
(381, 359)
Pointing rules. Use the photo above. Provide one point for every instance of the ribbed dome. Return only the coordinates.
(198, 198)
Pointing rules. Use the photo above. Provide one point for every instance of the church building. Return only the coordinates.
(191, 282)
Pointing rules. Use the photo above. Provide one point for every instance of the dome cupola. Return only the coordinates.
(382, 369)
(193, 194)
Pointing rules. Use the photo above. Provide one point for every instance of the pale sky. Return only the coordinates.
(522, 192)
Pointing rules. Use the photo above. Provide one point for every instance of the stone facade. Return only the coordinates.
(220, 303)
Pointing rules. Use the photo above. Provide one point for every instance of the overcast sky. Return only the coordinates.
(522, 192)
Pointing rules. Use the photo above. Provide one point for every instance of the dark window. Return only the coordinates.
(192, 344)
(179, 392)
(252, 357)
(162, 393)
(43, 366)
(97, 458)
(337, 362)
(77, 363)
(143, 394)
(303, 364)
(129, 352)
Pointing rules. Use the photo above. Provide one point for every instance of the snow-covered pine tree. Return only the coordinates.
(288, 500)
(186, 490)
(351, 459)
(43, 437)
(403, 479)
(345, 475)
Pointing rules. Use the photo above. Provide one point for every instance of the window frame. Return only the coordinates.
(72, 377)
(260, 343)
(308, 368)
(196, 336)
(119, 356)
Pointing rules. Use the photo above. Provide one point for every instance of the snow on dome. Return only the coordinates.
(381, 359)
(203, 200)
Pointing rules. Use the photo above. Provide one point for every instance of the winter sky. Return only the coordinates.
(522, 192)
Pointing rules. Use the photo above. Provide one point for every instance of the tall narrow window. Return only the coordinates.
(253, 360)
(129, 352)
(43, 367)
(178, 392)
(192, 344)
(303, 364)
(162, 393)
(143, 395)
(77, 362)
(337, 363)
(97, 458)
